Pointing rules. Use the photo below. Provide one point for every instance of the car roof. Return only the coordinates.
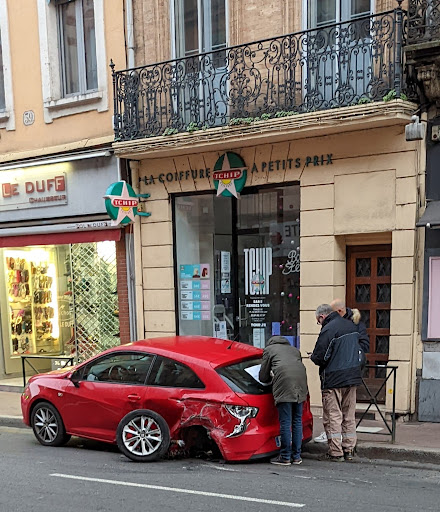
(201, 348)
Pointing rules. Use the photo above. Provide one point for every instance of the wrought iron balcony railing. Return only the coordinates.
(423, 21)
(334, 66)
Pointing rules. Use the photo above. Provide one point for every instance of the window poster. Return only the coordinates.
(225, 272)
(195, 298)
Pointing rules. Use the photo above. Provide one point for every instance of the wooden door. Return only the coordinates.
(369, 290)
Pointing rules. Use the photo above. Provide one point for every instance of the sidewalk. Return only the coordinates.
(415, 441)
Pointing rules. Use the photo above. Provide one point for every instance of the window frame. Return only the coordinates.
(55, 104)
(158, 361)
(7, 114)
(78, 375)
(81, 48)
(204, 37)
(430, 253)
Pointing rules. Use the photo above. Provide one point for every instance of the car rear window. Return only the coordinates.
(242, 377)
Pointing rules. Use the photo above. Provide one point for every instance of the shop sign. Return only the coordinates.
(266, 166)
(230, 173)
(30, 190)
(121, 203)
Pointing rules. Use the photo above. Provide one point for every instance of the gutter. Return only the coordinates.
(129, 33)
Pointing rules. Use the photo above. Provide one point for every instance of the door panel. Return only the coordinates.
(110, 387)
(369, 290)
(268, 265)
(94, 409)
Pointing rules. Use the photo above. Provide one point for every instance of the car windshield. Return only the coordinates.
(242, 377)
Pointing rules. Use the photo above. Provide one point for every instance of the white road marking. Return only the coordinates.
(221, 468)
(183, 491)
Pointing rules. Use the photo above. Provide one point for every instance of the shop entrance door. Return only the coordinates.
(238, 265)
(268, 265)
(369, 290)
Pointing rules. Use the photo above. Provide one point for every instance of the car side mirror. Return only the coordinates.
(74, 378)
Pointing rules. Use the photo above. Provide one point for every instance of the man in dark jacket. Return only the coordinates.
(283, 364)
(355, 316)
(339, 352)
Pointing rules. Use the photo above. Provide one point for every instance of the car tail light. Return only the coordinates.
(240, 411)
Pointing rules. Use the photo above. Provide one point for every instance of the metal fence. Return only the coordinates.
(337, 65)
(423, 21)
(94, 298)
(373, 395)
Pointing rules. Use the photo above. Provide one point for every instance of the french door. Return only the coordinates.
(338, 59)
(200, 28)
(369, 290)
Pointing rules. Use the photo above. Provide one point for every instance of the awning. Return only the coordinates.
(76, 237)
(431, 216)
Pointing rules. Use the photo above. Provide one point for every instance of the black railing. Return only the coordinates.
(373, 396)
(334, 66)
(423, 21)
(62, 360)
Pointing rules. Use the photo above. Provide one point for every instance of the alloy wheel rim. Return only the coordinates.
(46, 425)
(142, 436)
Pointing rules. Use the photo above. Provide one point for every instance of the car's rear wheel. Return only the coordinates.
(48, 426)
(143, 436)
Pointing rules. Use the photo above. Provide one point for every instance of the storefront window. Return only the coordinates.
(238, 265)
(32, 296)
(58, 300)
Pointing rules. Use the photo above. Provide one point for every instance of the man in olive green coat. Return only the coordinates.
(283, 364)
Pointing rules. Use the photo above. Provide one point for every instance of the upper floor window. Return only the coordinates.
(77, 43)
(200, 26)
(324, 12)
(74, 73)
(2, 78)
(7, 116)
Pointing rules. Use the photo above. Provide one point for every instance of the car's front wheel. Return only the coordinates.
(48, 426)
(143, 436)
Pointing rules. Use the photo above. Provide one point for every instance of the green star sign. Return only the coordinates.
(121, 203)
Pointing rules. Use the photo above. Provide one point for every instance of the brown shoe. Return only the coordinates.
(334, 458)
(348, 455)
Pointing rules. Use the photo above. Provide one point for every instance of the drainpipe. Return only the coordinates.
(130, 32)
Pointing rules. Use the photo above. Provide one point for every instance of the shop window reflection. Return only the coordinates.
(58, 300)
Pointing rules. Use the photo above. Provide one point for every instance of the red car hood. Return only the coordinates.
(61, 373)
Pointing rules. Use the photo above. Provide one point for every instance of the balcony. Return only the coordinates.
(423, 21)
(341, 65)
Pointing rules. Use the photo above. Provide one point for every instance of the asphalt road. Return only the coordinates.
(86, 476)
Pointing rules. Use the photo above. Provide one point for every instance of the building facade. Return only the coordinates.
(63, 279)
(423, 57)
(279, 175)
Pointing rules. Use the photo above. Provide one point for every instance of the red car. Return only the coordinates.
(151, 396)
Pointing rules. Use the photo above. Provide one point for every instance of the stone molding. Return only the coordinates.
(310, 124)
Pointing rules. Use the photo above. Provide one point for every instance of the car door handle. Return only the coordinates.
(134, 398)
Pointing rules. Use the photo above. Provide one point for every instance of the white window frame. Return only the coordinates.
(7, 115)
(55, 105)
(433, 298)
(175, 28)
(306, 7)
